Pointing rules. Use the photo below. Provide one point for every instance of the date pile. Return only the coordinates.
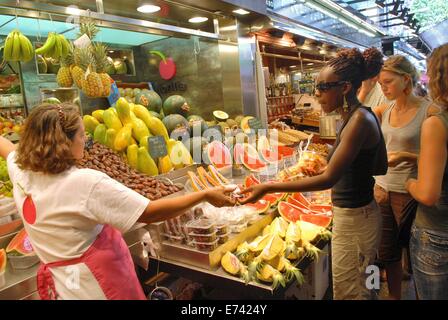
(101, 158)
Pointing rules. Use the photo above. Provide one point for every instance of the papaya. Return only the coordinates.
(165, 164)
(20, 245)
(98, 115)
(155, 125)
(133, 141)
(114, 110)
(111, 134)
(145, 163)
(139, 129)
(123, 138)
(132, 155)
(100, 134)
(144, 142)
(90, 123)
(111, 120)
(123, 111)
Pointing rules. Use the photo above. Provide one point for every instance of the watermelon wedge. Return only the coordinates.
(3, 260)
(20, 245)
(267, 153)
(290, 212)
(261, 206)
(319, 220)
(302, 199)
(321, 207)
(285, 151)
(274, 198)
(218, 154)
(251, 180)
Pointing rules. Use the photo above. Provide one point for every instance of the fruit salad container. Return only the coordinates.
(206, 246)
(221, 229)
(223, 238)
(201, 226)
(172, 238)
(240, 227)
(23, 262)
(202, 237)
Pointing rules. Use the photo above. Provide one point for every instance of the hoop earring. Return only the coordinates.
(345, 105)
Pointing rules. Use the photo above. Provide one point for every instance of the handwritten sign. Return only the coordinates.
(255, 124)
(114, 94)
(157, 147)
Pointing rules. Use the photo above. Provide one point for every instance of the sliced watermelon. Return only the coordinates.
(261, 206)
(267, 153)
(289, 212)
(296, 203)
(253, 163)
(274, 198)
(238, 151)
(3, 260)
(218, 154)
(251, 180)
(20, 245)
(285, 151)
(319, 220)
(301, 198)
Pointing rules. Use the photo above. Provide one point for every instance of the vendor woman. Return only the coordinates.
(80, 214)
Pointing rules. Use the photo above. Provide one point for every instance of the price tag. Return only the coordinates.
(82, 42)
(157, 147)
(255, 124)
(114, 94)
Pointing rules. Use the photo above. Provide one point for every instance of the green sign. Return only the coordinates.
(255, 124)
(157, 147)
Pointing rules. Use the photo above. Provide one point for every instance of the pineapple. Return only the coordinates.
(87, 26)
(99, 52)
(64, 77)
(90, 80)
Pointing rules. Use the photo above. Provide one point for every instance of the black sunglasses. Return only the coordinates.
(325, 86)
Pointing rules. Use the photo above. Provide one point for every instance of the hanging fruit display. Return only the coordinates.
(56, 46)
(17, 47)
(64, 76)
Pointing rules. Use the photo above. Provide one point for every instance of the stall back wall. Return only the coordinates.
(200, 74)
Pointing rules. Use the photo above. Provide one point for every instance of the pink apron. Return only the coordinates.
(109, 260)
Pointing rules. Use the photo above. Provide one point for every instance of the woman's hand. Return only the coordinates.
(256, 193)
(220, 197)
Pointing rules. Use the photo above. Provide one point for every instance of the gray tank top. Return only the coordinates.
(406, 138)
(436, 217)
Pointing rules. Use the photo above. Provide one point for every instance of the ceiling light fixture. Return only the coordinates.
(197, 19)
(241, 11)
(148, 8)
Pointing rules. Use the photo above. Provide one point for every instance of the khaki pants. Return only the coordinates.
(355, 241)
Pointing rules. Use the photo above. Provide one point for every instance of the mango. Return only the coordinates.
(111, 134)
(144, 142)
(100, 134)
(111, 120)
(123, 111)
(90, 123)
(98, 115)
(155, 125)
(123, 138)
(139, 129)
(165, 164)
(145, 163)
(132, 155)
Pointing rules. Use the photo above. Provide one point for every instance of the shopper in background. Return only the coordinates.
(79, 214)
(401, 123)
(429, 236)
(370, 93)
(359, 153)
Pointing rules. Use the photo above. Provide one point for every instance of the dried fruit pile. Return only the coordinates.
(101, 158)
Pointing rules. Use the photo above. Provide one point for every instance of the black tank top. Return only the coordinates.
(355, 188)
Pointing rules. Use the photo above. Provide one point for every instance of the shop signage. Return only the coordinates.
(114, 94)
(157, 147)
(270, 4)
(171, 87)
(255, 124)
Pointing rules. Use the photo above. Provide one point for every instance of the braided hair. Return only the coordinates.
(353, 66)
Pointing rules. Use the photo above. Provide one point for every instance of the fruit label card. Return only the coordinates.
(157, 147)
(82, 42)
(255, 124)
(114, 94)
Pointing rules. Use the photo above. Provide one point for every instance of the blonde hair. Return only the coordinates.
(45, 144)
(438, 75)
(402, 66)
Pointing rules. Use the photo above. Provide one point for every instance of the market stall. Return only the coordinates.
(164, 118)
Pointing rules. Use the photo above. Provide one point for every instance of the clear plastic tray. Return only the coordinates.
(201, 226)
(23, 262)
(206, 246)
(173, 238)
(202, 237)
(237, 228)
(222, 229)
(223, 238)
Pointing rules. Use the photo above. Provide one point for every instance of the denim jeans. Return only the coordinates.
(429, 258)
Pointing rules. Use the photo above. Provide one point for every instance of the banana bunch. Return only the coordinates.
(18, 47)
(56, 47)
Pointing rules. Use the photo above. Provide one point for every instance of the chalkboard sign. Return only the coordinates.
(255, 124)
(114, 94)
(157, 147)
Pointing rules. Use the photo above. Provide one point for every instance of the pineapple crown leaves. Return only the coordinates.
(100, 56)
(87, 26)
(83, 57)
(69, 59)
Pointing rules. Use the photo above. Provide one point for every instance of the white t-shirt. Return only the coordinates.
(72, 208)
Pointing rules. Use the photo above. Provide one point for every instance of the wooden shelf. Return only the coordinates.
(305, 122)
(280, 97)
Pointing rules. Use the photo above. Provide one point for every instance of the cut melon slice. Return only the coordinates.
(196, 184)
(267, 153)
(20, 245)
(289, 212)
(217, 175)
(302, 199)
(318, 220)
(251, 180)
(3, 260)
(251, 160)
(261, 206)
(285, 151)
(218, 154)
(206, 178)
